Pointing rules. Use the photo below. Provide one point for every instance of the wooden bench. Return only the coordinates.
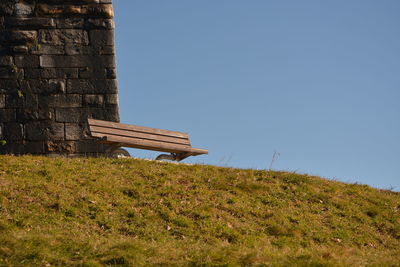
(119, 135)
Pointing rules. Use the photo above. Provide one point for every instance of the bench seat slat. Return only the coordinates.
(116, 125)
(103, 131)
(153, 145)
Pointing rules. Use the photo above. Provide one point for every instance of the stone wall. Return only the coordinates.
(57, 69)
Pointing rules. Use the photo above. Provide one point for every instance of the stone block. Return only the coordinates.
(106, 50)
(70, 23)
(101, 37)
(21, 147)
(2, 101)
(108, 114)
(44, 87)
(13, 131)
(75, 131)
(11, 73)
(111, 73)
(90, 73)
(84, 86)
(59, 73)
(18, 37)
(94, 100)
(7, 115)
(64, 2)
(63, 36)
(24, 9)
(32, 73)
(111, 99)
(71, 115)
(76, 61)
(44, 130)
(6, 7)
(60, 101)
(27, 61)
(44, 9)
(20, 49)
(65, 147)
(8, 86)
(107, 24)
(104, 11)
(15, 100)
(29, 23)
(6, 61)
(42, 49)
(90, 146)
(72, 50)
(30, 114)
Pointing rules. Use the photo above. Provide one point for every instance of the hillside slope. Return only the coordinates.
(126, 212)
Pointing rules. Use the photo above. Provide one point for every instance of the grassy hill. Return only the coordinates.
(126, 212)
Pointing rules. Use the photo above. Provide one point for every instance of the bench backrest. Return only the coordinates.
(141, 137)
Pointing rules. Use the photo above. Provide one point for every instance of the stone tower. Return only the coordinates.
(57, 69)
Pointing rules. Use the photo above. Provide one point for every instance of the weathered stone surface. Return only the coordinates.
(94, 100)
(23, 9)
(102, 37)
(44, 9)
(8, 86)
(76, 61)
(111, 99)
(2, 101)
(7, 7)
(90, 146)
(60, 147)
(42, 49)
(18, 37)
(20, 49)
(15, 100)
(7, 115)
(111, 73)
(77, 115)
(22, 147)
(51, 73)
(105, 11)
(71, 115)
(11, 73)
(89, 73)
(44, 87)
(35, 114)
(59, 73)
(107, 24)
(62, 37)
(70, 23)
(72, 50)
(57, 69)
(44, 130)
(29, 23)
(84, 86)
(6, 61)
(76, 131)
(61, 101)
(27, 61)
(13, 131)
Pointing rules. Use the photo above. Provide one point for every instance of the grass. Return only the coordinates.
(127, 212)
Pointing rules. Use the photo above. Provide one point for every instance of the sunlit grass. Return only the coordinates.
(126, 212)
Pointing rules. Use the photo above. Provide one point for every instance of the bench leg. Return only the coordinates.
(173, 156)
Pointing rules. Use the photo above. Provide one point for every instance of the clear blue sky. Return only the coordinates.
(316, 81)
